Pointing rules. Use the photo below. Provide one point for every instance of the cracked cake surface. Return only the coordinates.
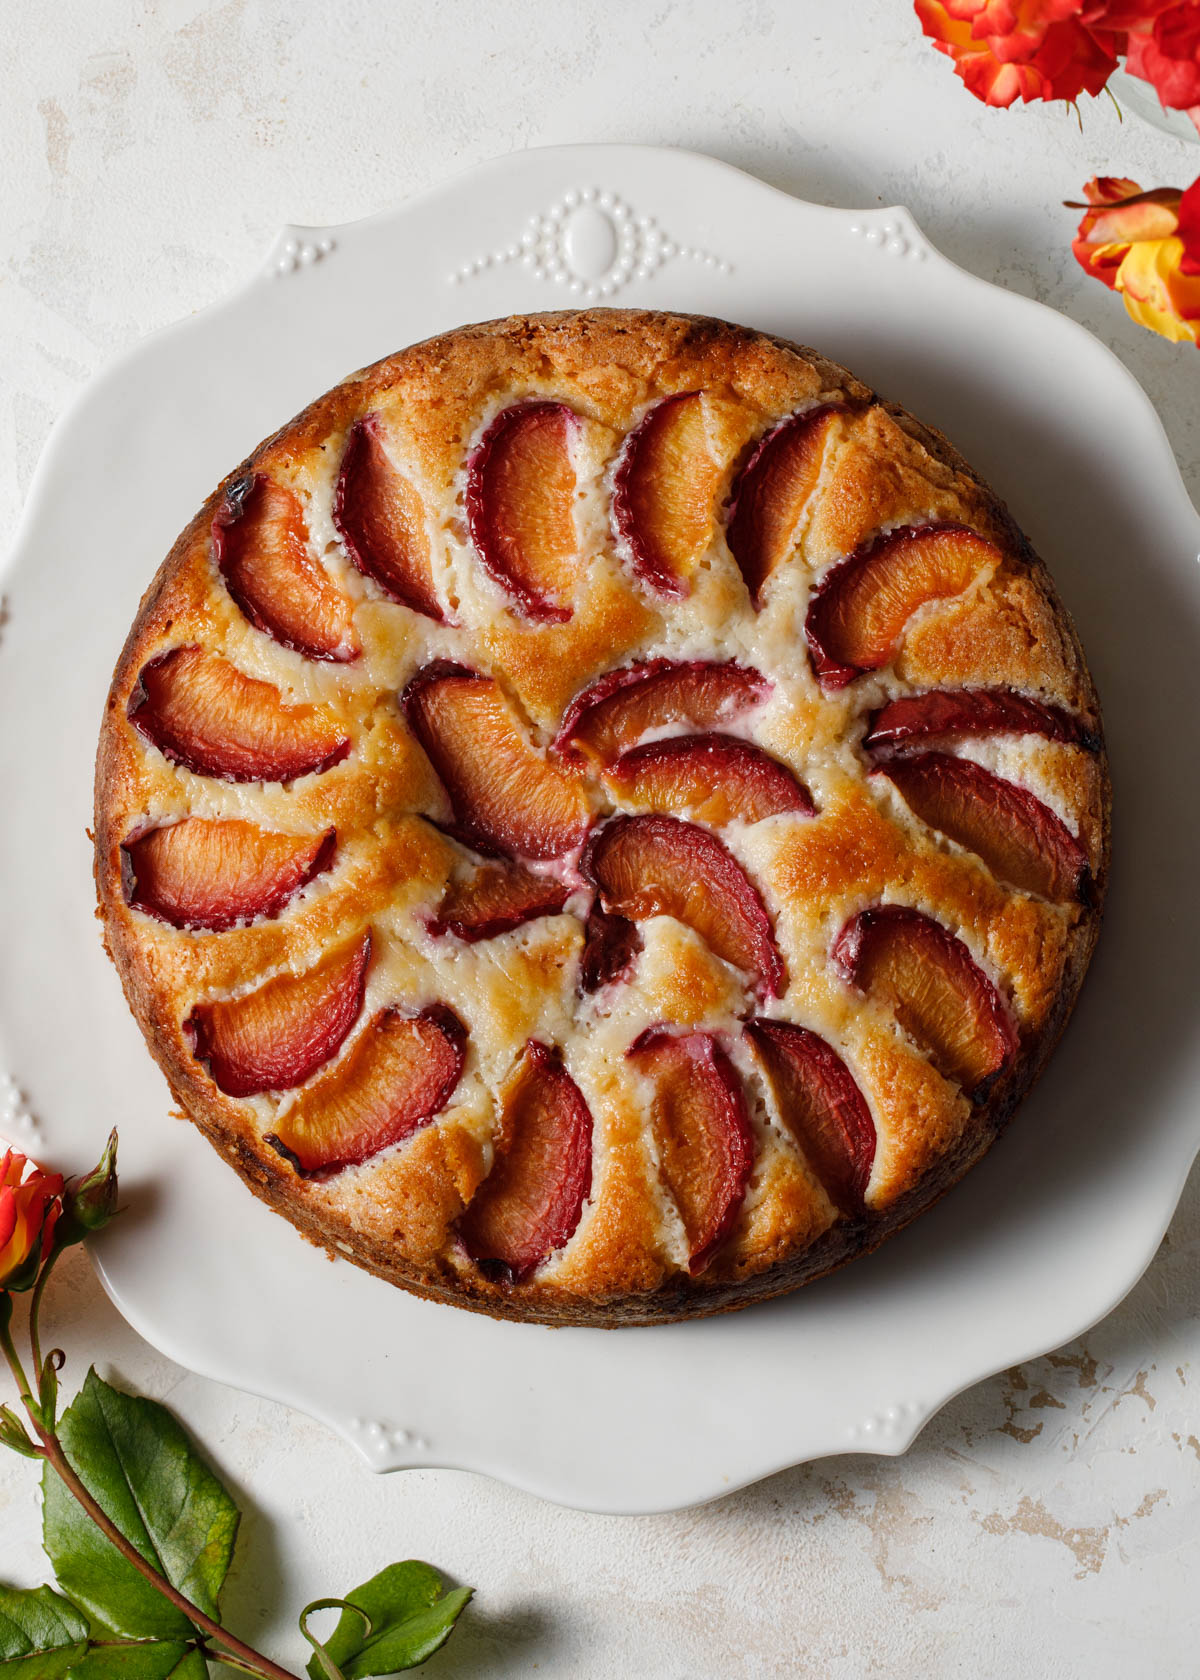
(601, 818)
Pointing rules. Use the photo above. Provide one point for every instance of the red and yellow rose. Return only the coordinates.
(1146, 246)
(1020, 49)
(29, 1210)
(1057, 49)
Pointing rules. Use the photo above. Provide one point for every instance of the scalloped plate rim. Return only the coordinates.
(1168, 1187)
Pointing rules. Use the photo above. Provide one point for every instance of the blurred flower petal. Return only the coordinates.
(1189, 229)
(1121, 15)
(1164, 49)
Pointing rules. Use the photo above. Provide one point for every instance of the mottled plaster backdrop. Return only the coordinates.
(1048, 1522)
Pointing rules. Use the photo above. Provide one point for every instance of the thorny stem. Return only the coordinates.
(15, 1366)
(242, 1656)
(230, 1661)
(35, 1302)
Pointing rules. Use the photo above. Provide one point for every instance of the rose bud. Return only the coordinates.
(92, 1202)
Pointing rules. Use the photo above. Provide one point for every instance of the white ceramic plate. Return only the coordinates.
(1042, 1239)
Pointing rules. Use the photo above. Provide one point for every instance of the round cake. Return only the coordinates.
(601, 818)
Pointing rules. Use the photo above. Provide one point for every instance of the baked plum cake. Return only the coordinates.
(601, 818)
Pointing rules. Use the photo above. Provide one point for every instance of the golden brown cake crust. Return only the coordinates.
(399, 1213)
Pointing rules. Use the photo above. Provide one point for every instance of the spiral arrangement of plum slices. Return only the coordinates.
(642, 803)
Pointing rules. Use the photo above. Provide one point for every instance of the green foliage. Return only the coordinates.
(41, 1634)
(14, 1434)
(139, 1466)
(393, 1621)
(131, 1468)
(141, 1469)
(44, 1637)
(142, 1659)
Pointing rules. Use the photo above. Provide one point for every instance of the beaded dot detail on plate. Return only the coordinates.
(296, 253)
(890, 237)
(593, 243)
(16, 1122)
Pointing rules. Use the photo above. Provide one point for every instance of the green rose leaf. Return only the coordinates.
(150, 1659)
(41, 1634)
(138, 1464)
(408, 1622)
(14, 1434)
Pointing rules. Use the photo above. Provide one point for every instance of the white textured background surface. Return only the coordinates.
(1048, 1522)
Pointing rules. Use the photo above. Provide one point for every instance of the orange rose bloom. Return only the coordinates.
(1020, 49)
(1145, 245)
(29, 1210)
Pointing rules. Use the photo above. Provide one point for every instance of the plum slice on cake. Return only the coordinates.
(398, 1074)
(610, 945)
(971, 712)
(260, 544)
(277, 1036)
(713, 779)
(1020, 839)
(204, 714)
(381, 520)
(531, 1201)
(663, 490)
(505, 793)
(520, 501)
(938, 992)
(772, 491)
(658, 866)
(858, 611)
(818, 1100)
(494, 898)
(702, 1131)
(613, 713)
(212, 874)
